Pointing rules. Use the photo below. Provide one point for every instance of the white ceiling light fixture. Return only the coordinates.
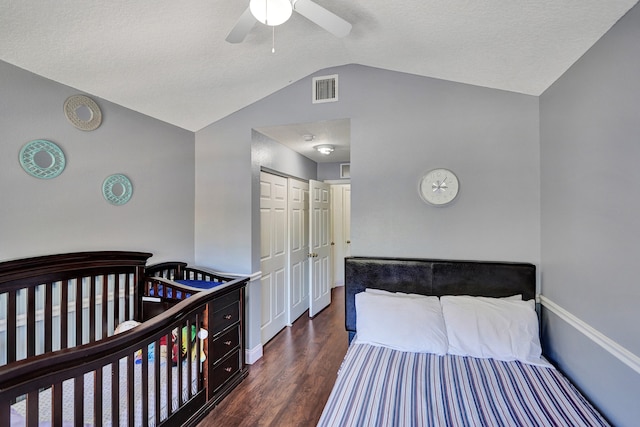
(276, 12)
(271, 12)
(324, 149)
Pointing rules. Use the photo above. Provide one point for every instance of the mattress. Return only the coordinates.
(378, 386)
(18, 410)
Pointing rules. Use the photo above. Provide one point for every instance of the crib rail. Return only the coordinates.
(83, 374)
(55, 302)
(175, 270)
(159, 291)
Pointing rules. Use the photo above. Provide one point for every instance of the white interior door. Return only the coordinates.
(320, 245)
(341, 229)
(298, 249)
(346, 221)
(273, 253)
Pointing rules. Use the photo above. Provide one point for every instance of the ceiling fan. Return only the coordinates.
(262, 10)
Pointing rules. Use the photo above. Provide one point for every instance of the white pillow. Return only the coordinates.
(498, 328)
(406, 324)
(125, 326)
(393, 294)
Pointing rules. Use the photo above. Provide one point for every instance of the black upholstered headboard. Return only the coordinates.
(435, 277)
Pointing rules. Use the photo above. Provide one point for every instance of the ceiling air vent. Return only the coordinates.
(325, 89)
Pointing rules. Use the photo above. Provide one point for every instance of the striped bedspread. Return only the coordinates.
(377, 386)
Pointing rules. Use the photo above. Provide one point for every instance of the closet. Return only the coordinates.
(295, 250)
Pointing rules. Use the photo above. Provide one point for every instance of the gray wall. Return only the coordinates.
(68, 213)
(405, 127)
(549, 180)
(329, 171)
(590, 150)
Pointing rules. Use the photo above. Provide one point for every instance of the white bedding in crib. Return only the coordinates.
(18, 410)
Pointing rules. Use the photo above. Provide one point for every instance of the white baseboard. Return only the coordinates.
(252, 355)
(621, 353)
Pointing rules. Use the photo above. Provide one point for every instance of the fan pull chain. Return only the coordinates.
(273, 40)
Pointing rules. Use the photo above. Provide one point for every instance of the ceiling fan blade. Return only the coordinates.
(242, 27)
(322, 17)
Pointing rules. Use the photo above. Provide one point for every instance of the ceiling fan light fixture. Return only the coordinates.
(324, 149)
(271, 12)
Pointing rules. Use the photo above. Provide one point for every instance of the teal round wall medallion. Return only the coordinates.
(42, 159)
(117, 189)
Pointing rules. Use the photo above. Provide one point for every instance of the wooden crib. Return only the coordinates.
(62, 361)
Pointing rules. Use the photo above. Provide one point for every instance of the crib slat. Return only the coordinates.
(97, 397)
(115, 391)
(199, 349)
(32, 409)
(64, 314)
(145, 385)
(79, 325)
(78, 399)
(116, 300)
(130, 394)
(92, 309)
(11, 327)
(31, 321)
(105, 306)
(204, 371)
(168, 364)
(48, 316)
(5, 413)
(56, 404)
(189, 355)
(180, 359)
(138, 285)
(156, 373)
(127, 300)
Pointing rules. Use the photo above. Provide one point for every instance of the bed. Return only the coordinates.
(447, 343)
(101, 338)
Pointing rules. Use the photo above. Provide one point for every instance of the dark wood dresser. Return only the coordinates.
(226, 342)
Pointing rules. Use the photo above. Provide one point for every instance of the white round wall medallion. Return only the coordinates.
(83, 112)
(439, 187)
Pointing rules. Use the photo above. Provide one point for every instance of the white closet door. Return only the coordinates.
(341, 229)
(298, 248)
(273, 253)
(320, 244)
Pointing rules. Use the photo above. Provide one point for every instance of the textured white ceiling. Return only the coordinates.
(169, 59)
(304, 137)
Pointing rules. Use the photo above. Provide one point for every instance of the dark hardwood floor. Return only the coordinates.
(291, 383)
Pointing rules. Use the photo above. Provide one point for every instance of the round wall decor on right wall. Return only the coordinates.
(439, 187)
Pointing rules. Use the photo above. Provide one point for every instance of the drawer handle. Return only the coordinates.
(227, 343)
(228, 369)
(228, 316)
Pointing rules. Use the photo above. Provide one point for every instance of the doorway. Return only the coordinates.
(295, 250)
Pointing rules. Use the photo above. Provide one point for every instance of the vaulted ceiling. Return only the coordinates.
(170, 60)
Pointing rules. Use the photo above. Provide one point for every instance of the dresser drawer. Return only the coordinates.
(224, 300)
(225, 343)
(225, 317)
(224, 370)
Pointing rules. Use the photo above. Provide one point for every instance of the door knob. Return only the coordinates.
(348, 242)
